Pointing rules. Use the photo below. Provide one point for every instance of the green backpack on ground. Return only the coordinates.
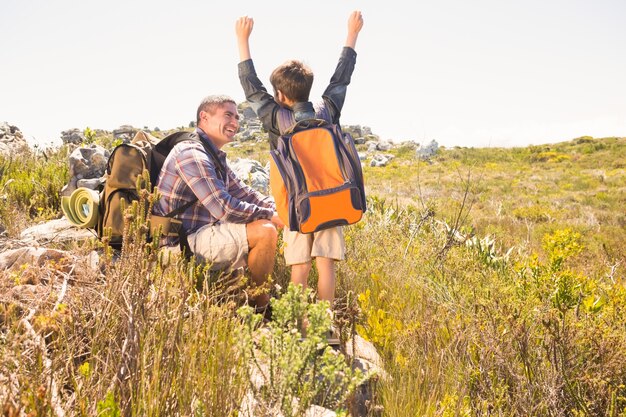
(125, 166)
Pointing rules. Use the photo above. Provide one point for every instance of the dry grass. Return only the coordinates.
(492, 281)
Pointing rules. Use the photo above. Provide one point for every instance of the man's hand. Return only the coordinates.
(355, 24)
(243, 29)
(277, 221)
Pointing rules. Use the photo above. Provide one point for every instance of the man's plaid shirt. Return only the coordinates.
(190, 172)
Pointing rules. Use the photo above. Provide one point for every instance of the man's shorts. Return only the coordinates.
(224, 245)
(302, 248)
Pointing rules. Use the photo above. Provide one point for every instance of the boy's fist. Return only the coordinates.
(243, 26)
(355, 21)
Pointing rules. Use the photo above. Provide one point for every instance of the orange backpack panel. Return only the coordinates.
(316, 178)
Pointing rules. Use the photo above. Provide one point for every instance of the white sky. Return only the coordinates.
(466, 73)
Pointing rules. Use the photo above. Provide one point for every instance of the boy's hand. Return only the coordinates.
(243, 27)
(277, 221)
(355, 24)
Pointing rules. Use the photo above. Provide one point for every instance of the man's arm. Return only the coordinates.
(335, 93)
(198, 171)
(242, 191)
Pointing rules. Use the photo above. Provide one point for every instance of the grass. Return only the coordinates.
(491, 282)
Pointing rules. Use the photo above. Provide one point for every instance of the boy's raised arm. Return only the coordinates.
(355, 23)
(243, 28)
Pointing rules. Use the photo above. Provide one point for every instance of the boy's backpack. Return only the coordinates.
(316, 177)
(124, 167)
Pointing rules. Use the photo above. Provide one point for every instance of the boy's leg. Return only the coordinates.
(326, 279)
(300, 273)
(328, 247)
(298, 255)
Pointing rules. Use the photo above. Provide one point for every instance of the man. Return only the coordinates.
(230, 222)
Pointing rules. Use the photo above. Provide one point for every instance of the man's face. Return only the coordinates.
(222, 125)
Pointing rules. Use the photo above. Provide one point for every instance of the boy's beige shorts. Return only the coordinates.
(302, 248)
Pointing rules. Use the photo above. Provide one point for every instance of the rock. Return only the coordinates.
(91, 183)
(244, 136)
(383, 146)
(59, 230)
(74, 136)
(428, 151)
(354, 130)
(85, 163)
(252, 173)
(249, 405)
(371, 146)
(380, 160)
(12, 142)
(125, 133)
(365, 355)
(15, 258)
(248, 113)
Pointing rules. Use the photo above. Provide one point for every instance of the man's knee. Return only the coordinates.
(262, 232)
(269, 233)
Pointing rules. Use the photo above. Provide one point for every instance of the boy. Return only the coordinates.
(292, 83)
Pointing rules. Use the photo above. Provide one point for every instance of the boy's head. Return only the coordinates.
(292, 81)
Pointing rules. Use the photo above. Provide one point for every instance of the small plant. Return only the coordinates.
(292, 368)
(108, 407)
(90, 135)
(379, 326)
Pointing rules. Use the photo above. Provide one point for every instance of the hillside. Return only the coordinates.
(491, 281)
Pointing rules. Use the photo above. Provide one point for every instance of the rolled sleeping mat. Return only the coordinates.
(81, 207)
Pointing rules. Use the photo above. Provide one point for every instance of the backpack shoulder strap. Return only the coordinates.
(167, 144)
(306, 124)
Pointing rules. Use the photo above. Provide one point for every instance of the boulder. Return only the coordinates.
(74, 136)
(86, 163)
(428, 151)
(372, 145)
(248, 113)
(12, 141)
(14, 258)
(384, 146)
(125, 133)
(59, 230)
(381, 160)
(252, 173)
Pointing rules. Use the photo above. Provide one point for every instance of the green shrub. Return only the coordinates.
(293, 360)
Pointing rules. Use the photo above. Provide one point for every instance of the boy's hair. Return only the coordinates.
(294, 79)
(210, 103)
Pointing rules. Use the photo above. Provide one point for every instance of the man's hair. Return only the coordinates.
(211, 103)
(294, 79)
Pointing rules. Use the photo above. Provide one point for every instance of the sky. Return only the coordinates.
(482, 73)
